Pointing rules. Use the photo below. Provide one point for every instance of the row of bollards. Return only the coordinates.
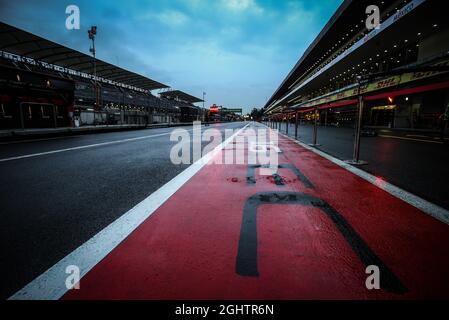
(276, 123)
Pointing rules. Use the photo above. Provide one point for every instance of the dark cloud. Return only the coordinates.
(238, 55)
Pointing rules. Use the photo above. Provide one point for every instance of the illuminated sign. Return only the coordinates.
(376, 85)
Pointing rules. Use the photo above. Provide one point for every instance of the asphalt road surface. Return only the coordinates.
(414, 162)
(62, 195)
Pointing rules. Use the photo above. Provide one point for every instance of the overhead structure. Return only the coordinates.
(180, 95)
(357, 75)
(27, 45)
(411, 33)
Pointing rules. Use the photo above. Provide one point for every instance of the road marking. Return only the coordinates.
(81, 147)
(427, 207)
(417, 136)
(410, 139)
(84, 147)
(51, 284)
(36, 140)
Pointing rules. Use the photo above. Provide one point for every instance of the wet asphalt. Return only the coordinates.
(53, 203)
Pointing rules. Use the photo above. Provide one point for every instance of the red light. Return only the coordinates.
(214, 109)
(390, 99)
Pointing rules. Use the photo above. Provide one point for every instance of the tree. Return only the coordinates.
(256, 114)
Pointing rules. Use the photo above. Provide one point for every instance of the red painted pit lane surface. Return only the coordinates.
(187, 249)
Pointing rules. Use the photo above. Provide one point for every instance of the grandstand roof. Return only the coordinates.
(23, 43)
(180, 95)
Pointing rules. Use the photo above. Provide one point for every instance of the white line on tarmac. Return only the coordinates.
(84, 147)
(51, 284)
(409, 139)
(36, 140)
(81, 147)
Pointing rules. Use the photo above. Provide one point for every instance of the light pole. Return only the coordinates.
(204, 94)
(92, 33)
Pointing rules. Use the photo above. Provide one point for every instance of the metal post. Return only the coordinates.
(22, 121)
(92, 33)
(197, 117)
(287, 124)
(358, 132)
(296, 125)
(315, 129)
(55, 120)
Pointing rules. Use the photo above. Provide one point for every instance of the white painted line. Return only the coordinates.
(51, 284)
(416, 136)
(81, 147)
(427, 207)
(409, 139)
(36, 140)
(85, 147)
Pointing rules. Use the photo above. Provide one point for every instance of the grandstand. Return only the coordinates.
(400, 70)
(44, 84)
(189, 112)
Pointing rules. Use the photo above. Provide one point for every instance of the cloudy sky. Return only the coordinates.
(237, 51)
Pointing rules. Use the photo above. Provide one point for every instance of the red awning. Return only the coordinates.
(306, 110)
(430, 87)
(338, 104)
(408, 91)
